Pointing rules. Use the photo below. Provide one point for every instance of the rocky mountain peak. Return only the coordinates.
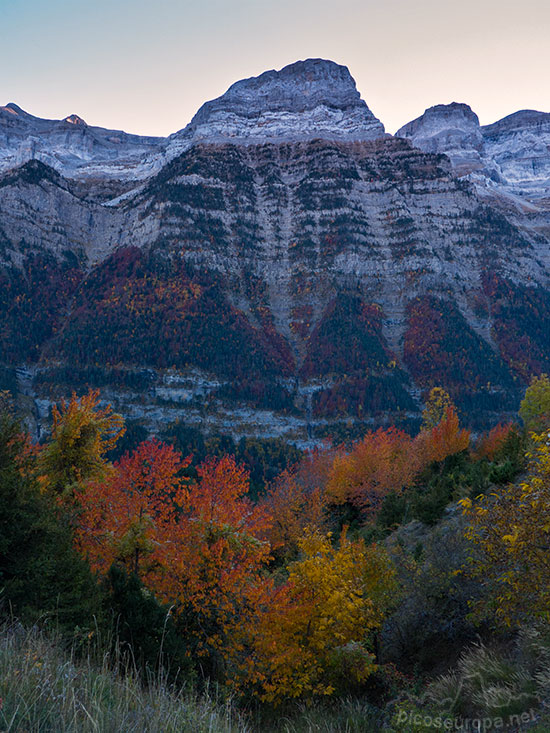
(297, 87)
(452, 129)
(442, 117)
(14, 109)
(519, 122)
(76, 120)
(519, 146)
(509, 160)
(307, 99)
(74, 148)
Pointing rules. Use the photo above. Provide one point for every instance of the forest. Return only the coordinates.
(96, 329)
(395, 583)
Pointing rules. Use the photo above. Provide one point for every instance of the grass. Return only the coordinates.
(344, 716)
(45, 689)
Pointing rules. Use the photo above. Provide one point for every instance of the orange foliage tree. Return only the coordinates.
(215, 565)
(129, 517)
(384, 461)
(389, 460)
(444, 439)
(196, 546)
(314, 632)
(293, 508)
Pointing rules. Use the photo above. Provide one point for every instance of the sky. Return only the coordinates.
(146, 66)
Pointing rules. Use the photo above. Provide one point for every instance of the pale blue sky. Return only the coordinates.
(146, 66)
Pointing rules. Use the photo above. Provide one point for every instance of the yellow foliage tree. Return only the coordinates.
(436, 408)
(510, 532)
(535, 406)
(82, 433)
(315, 631)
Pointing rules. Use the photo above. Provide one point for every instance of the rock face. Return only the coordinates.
(519, 146)
(40, 211)
(452, 129)
(310, 270)
(509, 161)
(74, 148)
(305, 100)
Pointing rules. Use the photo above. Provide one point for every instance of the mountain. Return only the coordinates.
(509, 161)
(512, 153)
(309, 99)
(281, 266)
(74, 148)
(452, 129)
(306, 100)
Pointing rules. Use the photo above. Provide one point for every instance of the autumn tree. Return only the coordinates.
(491, 444)
(213, 571)
(389, 461)
(293, 508)
(510, 535)
(41, 575)
(129, 516)
(314, 634)
(436, 408)
(196, 546)
(535, 406)
(445, 438)
(5, 401)
(82, 433)
(384, 461)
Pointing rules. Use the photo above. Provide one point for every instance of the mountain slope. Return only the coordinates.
(285, 254)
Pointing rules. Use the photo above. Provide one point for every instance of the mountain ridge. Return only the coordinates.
(260, 260)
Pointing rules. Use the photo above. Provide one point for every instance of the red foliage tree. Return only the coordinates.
(196, 547)
(489, 444)
(130, 517)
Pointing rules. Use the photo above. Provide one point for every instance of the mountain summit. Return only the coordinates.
(305, 100)
(452, 129)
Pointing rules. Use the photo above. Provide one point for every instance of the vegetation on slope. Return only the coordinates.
(322, 591)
